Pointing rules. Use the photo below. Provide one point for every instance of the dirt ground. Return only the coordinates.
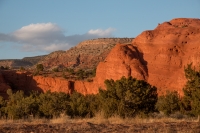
(87, 127)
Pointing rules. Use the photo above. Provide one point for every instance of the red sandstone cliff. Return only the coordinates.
(25, 81)
(157, 56)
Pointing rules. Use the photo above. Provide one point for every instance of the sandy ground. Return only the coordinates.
(87, 127)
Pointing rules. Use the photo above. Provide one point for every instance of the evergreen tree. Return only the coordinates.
(2, 107)
(39, 67)
(127, 97)
(192, 90)
(169, 103)
(15, 107)
(52, 104)
(79, 105)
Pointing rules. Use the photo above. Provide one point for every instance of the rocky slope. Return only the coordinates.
(157, 56)
(85, 55)
(34, 60)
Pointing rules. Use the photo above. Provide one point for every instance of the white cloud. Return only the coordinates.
(48, 37)
(38, 28)
(38, 33)
(100, 32)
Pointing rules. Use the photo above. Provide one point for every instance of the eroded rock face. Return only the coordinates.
(157, 56)
(20, 80)
(25, 81)
(17, 80)
(123, 60)
(167, 49)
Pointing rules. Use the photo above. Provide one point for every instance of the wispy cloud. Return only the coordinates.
(100, 32)
(49, 37)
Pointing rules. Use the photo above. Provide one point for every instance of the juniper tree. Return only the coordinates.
(169, 103)
(127, 97)
(192, 90)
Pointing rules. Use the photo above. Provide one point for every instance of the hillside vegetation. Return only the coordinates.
(126, 98)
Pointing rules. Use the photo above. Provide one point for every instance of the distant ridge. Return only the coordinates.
(87, 54)
(26, 62)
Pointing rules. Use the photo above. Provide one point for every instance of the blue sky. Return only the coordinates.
(37, 27)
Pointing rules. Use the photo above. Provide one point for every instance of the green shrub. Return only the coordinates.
(80, 73)
(21, 68)
(4, 68)
(79, 107)
(63, 75)
(52, 104)
(169, 103)
(35, 73)
(191, 90)
(55, 69)
(48, 105)
(2, 107)
(127, 97)
(15, 108)
(93, 105)
(70, 71)
(40, 67)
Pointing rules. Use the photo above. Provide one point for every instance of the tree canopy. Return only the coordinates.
(127, 97)
(192, 90)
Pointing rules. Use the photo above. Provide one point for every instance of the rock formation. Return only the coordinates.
(167, 49)
(157, 56)
(25, 81)
(86, 55)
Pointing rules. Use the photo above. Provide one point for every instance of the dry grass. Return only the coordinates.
(99, 119)
(100, 124)
(136, 120)
(177, 117)
(24, 121)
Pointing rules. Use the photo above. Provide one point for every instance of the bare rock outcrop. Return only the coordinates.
(123, 60)
(86, 55)
(25, 81)
(167, 49)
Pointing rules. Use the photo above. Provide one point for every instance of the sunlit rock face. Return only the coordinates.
(167, 49)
